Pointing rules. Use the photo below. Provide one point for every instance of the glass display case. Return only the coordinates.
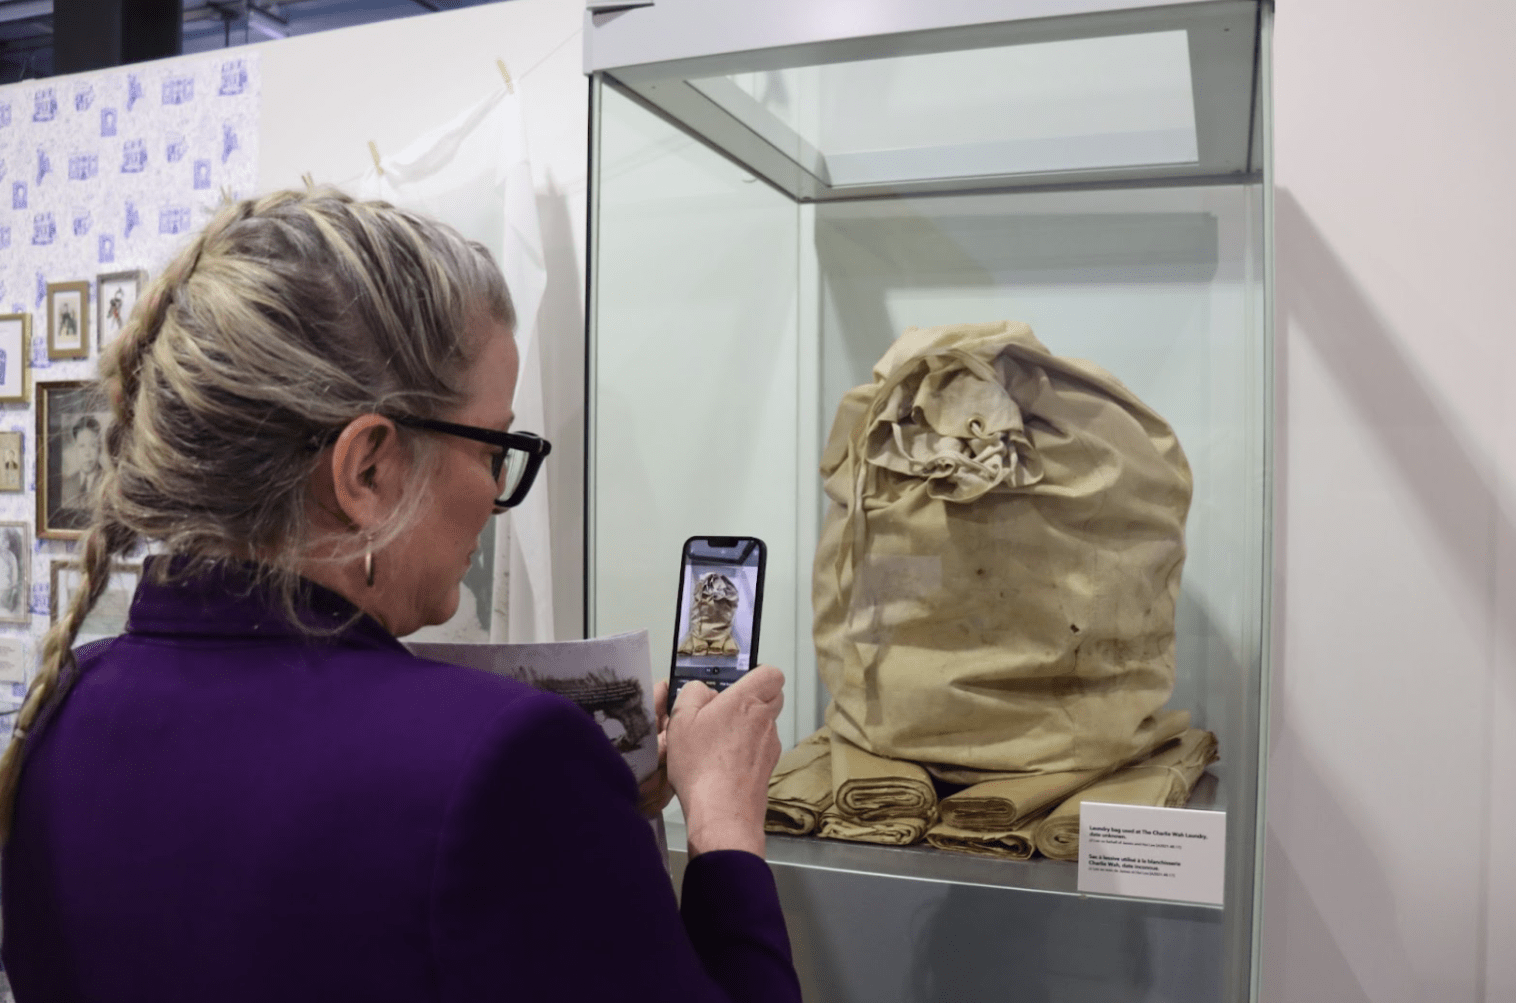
(778, 191)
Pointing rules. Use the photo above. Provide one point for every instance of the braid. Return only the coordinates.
(120, 368)
(283, 320)
(101, 544)
(121, 364)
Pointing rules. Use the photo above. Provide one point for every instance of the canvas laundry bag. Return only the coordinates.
(995, 584)
(713, 603)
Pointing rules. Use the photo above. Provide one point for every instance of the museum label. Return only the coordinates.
(1159, 853)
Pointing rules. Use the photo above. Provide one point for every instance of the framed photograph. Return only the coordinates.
(15, 570)
(68, 320)
(71, 423)
(108, 618)
(15, 350)
(12, 660)
(115, 295)
(10, 461)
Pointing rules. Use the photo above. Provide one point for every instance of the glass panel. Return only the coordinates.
(1068, 105)
(693, 384)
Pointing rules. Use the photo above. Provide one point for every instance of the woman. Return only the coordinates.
(256, 792)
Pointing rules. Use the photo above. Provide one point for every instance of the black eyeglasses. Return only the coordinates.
(520, 457)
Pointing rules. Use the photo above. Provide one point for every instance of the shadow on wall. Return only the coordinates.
(868, 249)
(1363, 958)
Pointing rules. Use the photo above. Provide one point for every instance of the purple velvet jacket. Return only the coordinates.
(224, 809)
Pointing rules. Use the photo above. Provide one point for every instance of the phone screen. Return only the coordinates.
(720, 611)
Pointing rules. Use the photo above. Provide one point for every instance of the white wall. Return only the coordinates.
(1392, 786)
(327, 95)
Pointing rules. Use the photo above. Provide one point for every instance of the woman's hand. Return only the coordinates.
(655, 793)
(721, 750)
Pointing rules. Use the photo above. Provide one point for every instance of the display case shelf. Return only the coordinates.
(922, 863)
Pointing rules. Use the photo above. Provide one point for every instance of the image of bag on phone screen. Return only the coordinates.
(715, 632)
(720, 611)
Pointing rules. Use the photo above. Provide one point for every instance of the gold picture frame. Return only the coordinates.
(68, 320)
(15, 358)
(116, 293)
(71, 425)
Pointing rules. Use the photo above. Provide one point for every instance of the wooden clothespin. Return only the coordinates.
(374, 152)
(510, 86)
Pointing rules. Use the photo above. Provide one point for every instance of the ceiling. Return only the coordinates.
(26, 26)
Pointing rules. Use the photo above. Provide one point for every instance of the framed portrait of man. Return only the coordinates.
(68, 320)
(71, 423)
(15, 352)
(15, 572)
(108, 618)
(10, 462)
(115, 294)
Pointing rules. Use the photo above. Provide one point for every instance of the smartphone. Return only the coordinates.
(720, 610)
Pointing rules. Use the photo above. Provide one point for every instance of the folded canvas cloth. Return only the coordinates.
(889, 831)
(1003, 805)
(876, 800)
(801, 787)
(1001, 802)
(868, 788)
(1002, 844)
(1165, 779)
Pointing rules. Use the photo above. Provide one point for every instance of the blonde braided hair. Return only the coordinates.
(284, 319)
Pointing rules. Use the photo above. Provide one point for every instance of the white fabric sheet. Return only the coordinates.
(474, 172)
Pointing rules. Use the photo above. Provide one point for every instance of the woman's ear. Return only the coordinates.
(369, 468)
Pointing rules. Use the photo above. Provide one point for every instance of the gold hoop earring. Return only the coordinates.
(368, 567)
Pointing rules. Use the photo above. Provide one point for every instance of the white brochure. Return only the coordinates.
(610, 677)
(1158, 853)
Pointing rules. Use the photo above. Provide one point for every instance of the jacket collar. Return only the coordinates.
(226, 601)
